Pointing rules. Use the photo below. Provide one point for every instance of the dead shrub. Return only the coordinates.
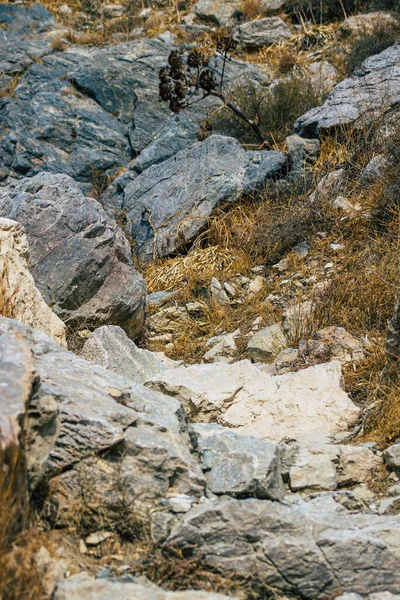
(251, 9)
(370, 44)
(274, 110)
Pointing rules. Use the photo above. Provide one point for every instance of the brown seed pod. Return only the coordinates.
(207, 80)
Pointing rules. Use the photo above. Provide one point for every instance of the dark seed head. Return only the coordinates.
(165, 90)
(207, 80)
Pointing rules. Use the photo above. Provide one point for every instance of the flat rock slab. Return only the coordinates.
(261, 32)
(238, 465)
(20, 297)
(307, 405)
(169, 204)
(313, 555)
(373, 88)
(81, 261)
(86, 424)
(110, 347)
(84, 587)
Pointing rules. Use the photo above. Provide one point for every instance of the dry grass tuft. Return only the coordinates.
(199, 265)
(19, 579)
(58, 45)
(251, 9)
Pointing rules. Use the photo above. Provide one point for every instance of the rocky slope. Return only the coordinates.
(243, 468)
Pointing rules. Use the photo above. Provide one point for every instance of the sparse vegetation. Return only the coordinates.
(371, 43)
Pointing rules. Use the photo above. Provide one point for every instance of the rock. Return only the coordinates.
(221, 345)
(392, 457)
(81, 261)
(314, 467)
(239, 465)
(267, 343)
(301, 151)
(328, 185)
(218, 293)
(261, 32)
(83, 586)
(323, 75)
(256, 285)
(110, 347)
(21, 21)
(374, 169)
(390, 506)
(286, 361)
(313, 555)
(374, 87)
(161, 202)
(17, 375)
(327, 466)
(343, 204)
(20, 299)
(112, 11)
(223, 13)
(365, 24)
(296, 318)
(94, 437)
(332, 343)
(392, 345)
(268, 6)
(301, 249)
(306, 405)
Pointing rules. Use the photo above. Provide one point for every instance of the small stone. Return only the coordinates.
(302, 249)
(336, 247)
(329, 265)
(258, 269)
(181, 503)
(230, 290)
(82, 547)
(94, 539)
(218, 293)
(267, 342)
(256, 285)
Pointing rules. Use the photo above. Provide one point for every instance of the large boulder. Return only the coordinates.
(19, 297)
(110, 347)
(261, 32)
(81, 260)
(314, 555)
(307, 405)
(94, 436)
(86, 111)
(238, 465)
(223, 13)
(169, 204)
(82, 586)
(373, 88)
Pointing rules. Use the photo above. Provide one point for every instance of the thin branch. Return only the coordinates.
(241, 115)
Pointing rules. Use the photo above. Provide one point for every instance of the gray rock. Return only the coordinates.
(332, 343)
(286, 361)
(223, 13)
(261, 32)
(94, 435)
(374, 169)
(266, 343)
(365, 24)
(311, 555)
(218, 293)
(307, 405)
(301, 151)
(392, 345)
(81, 261)
(161, 202)
(373, 87)
(110, 347)
(83, 586)
(268, 6)
(237, 465)
(392, 457)
(19, 21)
(17, 376)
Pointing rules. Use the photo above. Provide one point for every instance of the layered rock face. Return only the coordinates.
(80, 259)
(19, 297)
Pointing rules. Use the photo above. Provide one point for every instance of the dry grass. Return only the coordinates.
(58, 45)
(251, 9)
(19, 579)
(6, 301)
(9, 88)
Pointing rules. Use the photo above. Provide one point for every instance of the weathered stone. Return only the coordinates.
(328, 185)
(17, 376)
(365, 24)
(110, 347)
(267, 342)
(169, 204)
(306, 405)
(221, 345)
(301, 151)
(95, 435)
(81, 260)
(374, 169)
(392, 457)
(84, 587)
(332, 343)
(218, 294)
(286, 361)
(261, 32)
(223, 13)
(307, 554)
(323, 76)
(20, 299)
(374, 87)
(393, 333)
(239, 465)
